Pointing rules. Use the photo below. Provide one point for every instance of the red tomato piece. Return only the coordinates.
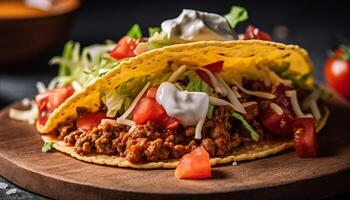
(152, 92)
(215, 67)
(195, 164)
(305, 137)
(337, 75)
(255, 33)
(279, 125)
(149, 109)
(90, 120)
(125, 48)
(47, 102)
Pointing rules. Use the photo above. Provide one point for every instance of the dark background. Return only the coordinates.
(315, 25)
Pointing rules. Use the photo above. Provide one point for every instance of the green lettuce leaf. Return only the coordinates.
(158, 40)
(47, 147)
(236, 15)
(135, 32)
(113, 102)
(253, 134)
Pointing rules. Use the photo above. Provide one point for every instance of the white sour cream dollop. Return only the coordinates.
(187, 107)
(194, 25)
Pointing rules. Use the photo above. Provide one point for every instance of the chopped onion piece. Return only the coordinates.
(177, 73)
(292, 94)
(260, 94)
(109, 121)
(221, 82)
(26, 102)
(276, 108)
(199, 126)
(213, 80)
(76, 86)
(219, 102)
(133, 104)
(40, 87)
(249, 103)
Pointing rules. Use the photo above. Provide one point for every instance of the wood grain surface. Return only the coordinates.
(282, 176)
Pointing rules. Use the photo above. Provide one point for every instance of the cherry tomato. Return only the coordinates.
(279, 125)
(47, 102)
(337, 73)
(148, 109)
(90, 120)
(125, 48)
(215, 67)
(195, 164)
(305, 137)
(255, 33)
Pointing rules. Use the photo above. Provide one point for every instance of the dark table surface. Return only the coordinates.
(315, 25)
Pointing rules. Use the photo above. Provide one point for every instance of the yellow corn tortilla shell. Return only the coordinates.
(241, 58)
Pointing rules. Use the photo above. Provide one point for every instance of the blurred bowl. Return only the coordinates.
(29, 33)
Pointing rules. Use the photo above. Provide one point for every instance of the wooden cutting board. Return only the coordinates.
(61, 177)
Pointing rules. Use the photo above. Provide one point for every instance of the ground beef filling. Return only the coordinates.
(150, 142)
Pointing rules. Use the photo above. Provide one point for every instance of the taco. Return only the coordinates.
(239, 100)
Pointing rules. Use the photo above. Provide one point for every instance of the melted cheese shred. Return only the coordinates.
(219, 102)
(216, 85)
(292, 94)
(276, 108)
(264, 95)
(199, 127)
(310, 102)
(249, 103)
(177, 73)
(231, 95)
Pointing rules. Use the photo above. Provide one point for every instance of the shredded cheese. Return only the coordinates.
(133, 104)
(132, 128)
(260, 94)
(232, 97)
(221, 83)
(315, 111)
(277, 80)
(310, 102)
(276, 108)
(235, 90)
(249, 103)
(219, 102)
(292, 94)
(213, 80)
(199, 126)
(177, 73)
(126, 122)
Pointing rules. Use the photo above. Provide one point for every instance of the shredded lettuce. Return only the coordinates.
(47, 147)
(153, 30)
(253, 134)
(196, 84)
(82, 65)
(237, 14)
(135, 32)
(158, 40)
(113, 102)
